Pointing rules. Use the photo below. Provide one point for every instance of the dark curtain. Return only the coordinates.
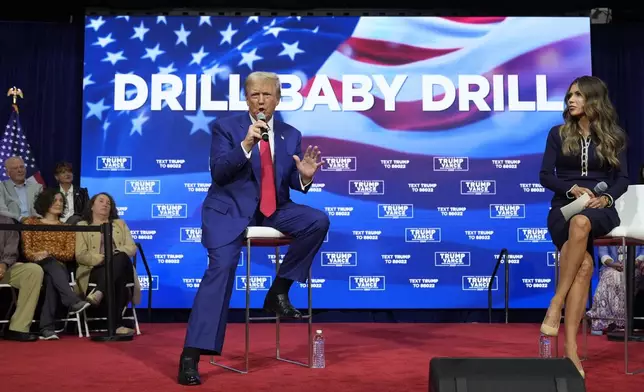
(45, 60)
(618, 59)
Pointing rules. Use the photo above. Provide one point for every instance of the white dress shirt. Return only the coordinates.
(271, 143)
(69, 195)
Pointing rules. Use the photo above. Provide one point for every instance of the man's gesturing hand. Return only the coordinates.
(309, 164)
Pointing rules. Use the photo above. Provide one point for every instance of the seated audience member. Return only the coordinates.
(51, 250)
(16, 194)
(26, 277)
(90, 255)
(608, 300)
(77, 197)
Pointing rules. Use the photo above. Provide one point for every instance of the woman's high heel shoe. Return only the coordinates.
(547, 329)
(578, 366)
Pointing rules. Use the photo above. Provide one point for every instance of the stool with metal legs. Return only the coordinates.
(268, 237)
(629, 274)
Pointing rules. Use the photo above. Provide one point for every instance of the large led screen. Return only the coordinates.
(432, 130)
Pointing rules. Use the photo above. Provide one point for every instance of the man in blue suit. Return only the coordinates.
(251, 181)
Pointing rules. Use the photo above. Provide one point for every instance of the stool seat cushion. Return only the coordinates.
(263, 232)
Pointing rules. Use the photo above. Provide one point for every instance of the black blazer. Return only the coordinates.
(559, 172)
(81, 199)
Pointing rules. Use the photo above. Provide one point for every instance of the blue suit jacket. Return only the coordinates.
(233, 197)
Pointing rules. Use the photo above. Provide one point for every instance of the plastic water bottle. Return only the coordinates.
(545, 346)
(318, 350)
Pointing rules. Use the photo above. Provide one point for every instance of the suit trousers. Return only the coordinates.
(27, 278)
(57, 290)
(207, 323)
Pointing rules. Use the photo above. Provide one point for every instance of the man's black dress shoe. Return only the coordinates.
(280, 304)
(19, 336)
(188, 371)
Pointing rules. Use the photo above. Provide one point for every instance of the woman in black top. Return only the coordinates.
(587, 149)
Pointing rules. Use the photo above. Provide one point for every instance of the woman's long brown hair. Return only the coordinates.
(601, 114)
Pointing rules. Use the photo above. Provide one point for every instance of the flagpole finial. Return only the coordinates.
(14, 93)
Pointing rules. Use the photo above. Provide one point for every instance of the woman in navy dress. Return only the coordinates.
(587, 149)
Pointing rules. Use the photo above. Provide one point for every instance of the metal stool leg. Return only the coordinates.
(247, 322)
(629, 296)
(584, 331)
(557, 284)
(277, 317)
(585, 320)
(308, 316)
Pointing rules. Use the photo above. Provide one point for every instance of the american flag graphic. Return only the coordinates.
(311, 47)
(15, 143)
(334, 46)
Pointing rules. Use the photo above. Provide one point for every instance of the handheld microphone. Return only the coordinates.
(600, 188)
(262, 117)
(575, 207)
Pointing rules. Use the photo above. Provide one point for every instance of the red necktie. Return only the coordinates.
(267, 202)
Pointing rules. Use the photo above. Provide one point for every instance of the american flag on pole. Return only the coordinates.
(14, 143)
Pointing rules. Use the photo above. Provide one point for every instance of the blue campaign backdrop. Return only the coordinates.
(423, 186)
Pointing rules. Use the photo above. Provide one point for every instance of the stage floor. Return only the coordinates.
(360, 357)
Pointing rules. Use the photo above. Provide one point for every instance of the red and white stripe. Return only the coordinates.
(487, 46)
(440, 46)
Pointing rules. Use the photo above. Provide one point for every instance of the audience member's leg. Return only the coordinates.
(97, 277)
(121, 267)
(27, 278)
(60, 281)
(48, 310)
(57, 290)
(123, 274)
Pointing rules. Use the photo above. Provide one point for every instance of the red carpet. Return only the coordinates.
(360, 357)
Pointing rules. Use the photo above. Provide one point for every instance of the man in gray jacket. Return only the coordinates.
(26, 277)
(17, 195)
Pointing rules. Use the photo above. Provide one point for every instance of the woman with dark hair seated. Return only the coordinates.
(51, 249)
(90, 255)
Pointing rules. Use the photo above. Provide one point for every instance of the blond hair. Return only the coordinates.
(261, 76)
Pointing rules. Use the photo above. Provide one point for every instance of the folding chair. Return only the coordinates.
(7, 318)
(130, 287)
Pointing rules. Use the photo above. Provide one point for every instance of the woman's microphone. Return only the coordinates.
(600, 188)
(569, 210)
(262, 117)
